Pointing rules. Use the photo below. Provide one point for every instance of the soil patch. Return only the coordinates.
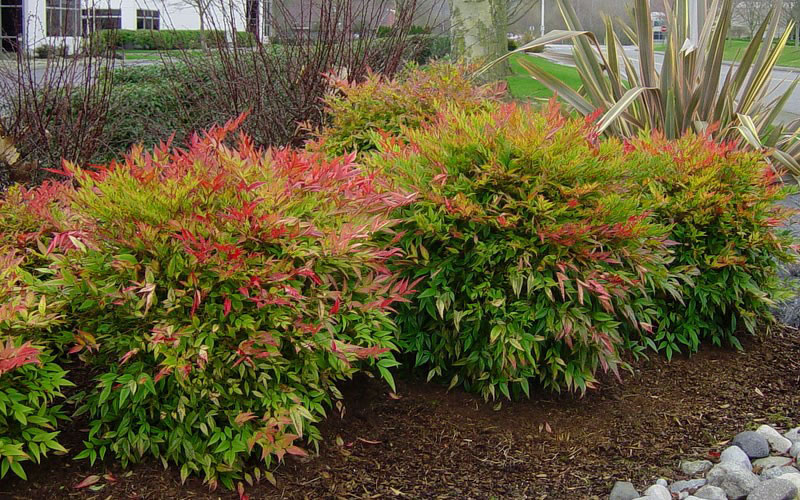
(430, 443)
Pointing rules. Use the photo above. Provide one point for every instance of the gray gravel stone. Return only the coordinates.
(793, 435)
(709, 492)
(795, 450)
(695, 467)
(692, 484)
(754, 444)
(658, 491)
(792, 478)
(735, 455)
(778, 472)
(737, 481)
(774, 489)
(777, 443)
(770, 462)
(623, 490)
(662, 482)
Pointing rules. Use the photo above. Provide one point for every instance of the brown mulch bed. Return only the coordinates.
(431, 443)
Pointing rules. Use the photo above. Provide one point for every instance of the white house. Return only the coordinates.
(26, 24)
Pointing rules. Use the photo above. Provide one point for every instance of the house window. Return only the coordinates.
(147, 20)
(101, 19)
(63, 17)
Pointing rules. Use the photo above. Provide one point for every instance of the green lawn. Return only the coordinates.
(154, 55)
(734, 49)
(522, 86)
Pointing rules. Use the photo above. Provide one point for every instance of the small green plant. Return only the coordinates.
(538, 267)
(30, 381)
(722, 207)
(222, 294)
(361, 114)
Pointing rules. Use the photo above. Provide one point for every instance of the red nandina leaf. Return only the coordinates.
(242, 494)
(244, 417)
(162, 373)
(296, 450)
(369, 441)
(227, 306)
(13, 357)
(90, 480)
(128, 355)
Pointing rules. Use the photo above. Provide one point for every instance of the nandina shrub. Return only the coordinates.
(537, 265)
(223, 292)
(722, 207)
(30, 382)
(361, 113)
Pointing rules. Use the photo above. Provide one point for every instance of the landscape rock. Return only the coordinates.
(774, 489)
(795, 450)
(777, 443)
(793, 435)
(662, 482)
(623, 490)
(754, 444)
(792, 478)
(778, 472)
(695, 467)
(735, 480)
(692, 484)
(658, 491)
(735, 455)
(770, 462)
(709, 492)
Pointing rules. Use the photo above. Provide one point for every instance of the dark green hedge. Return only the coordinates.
(164, 40)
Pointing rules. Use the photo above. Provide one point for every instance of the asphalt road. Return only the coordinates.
(781, 77)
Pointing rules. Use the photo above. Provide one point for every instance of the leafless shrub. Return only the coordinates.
(278, 75)
(54, 109)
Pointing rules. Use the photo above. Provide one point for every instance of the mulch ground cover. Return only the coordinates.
(426, 442)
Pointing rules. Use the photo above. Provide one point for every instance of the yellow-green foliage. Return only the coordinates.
(360, 114)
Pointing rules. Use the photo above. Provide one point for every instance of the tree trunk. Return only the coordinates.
(203, 44)
(478, 31)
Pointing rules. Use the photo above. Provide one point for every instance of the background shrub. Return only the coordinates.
(222, 295)
(537, 265)
(722, 207)
(162, 39)
(361, 113)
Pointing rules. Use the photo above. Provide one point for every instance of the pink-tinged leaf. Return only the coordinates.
(296, 450)
(110, 477)
(90, 480)
(366, 352)
(244, 417)
(162, 373)
(336, 304)
(369, 441)
(562, 278)
(128, 355)
(13, 357)
(242, 494)
(227, 306)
